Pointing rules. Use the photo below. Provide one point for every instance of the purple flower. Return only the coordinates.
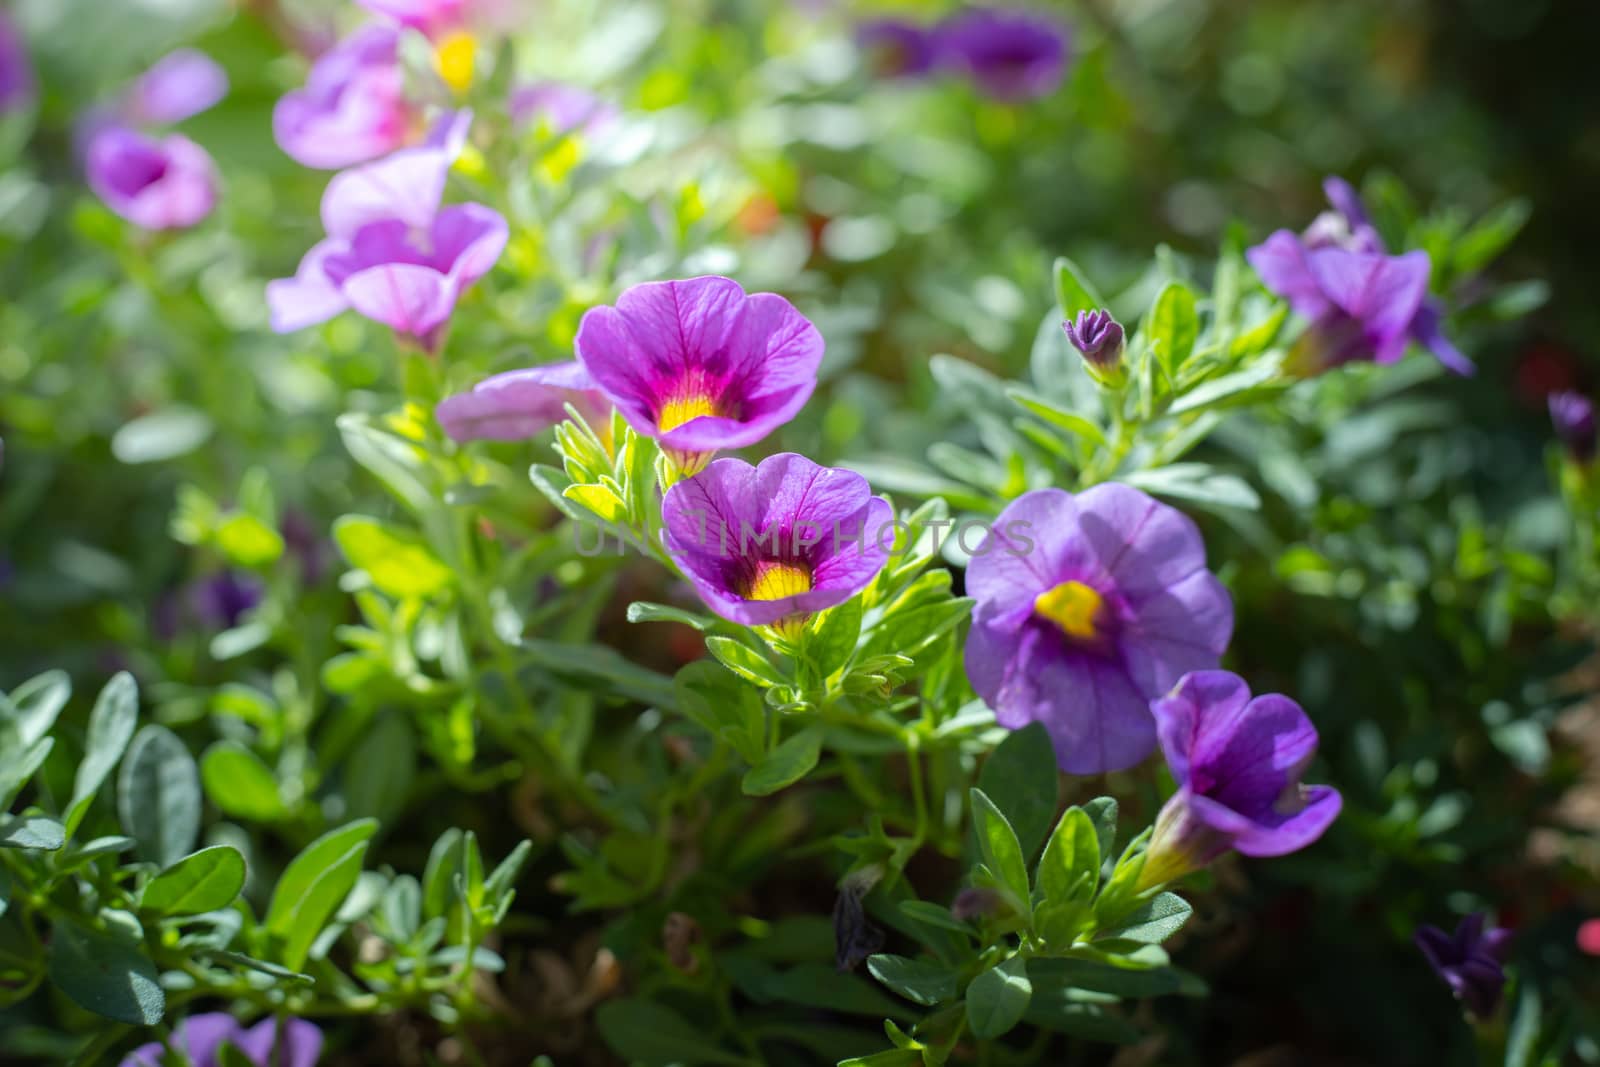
(200, 1038)
(209, 605)
(1012, 55)
(898, 48)
(1089, 607)
(164, 184)
(700, 365)
(429, 16)
(1572, 414)
(353, 106)
(17, 86)
(772, 544)
(177, 87)
(1237, 762)
(392, 254)
(520, 404)
(1099, 338)
(1363, 304)
(562, 107)
(1471, 961)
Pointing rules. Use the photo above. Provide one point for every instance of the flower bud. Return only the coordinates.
(1099, 338)
(1572, 414)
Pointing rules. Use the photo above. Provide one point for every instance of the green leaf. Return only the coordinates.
(784, 765)
(1118, 899)
(894, 1057)
(1021, 778)
(644, 1032)
(299, 878)
(317, 905)
(378, 773)
(1002, 854)
(744, 661)
(443, 861)
(396, 559)
(644, 611)
(18, 768)
(1228, 388)
(1058, 1010)
(106, 974)
(1074, 292)
(602, 669)
(396, 462)
(158, 796)
(1173, 326)
(32, 832)
(111, 725)
(161, 435)
(1199, 483)
(283, 974)
(247, 541)
(503, 878)
(32, 707)
(1069, 873)
(997, 999)
(1058, 416)
(921, 981)
(1102, 812)
(834, 634)
(239, 783)
(1160, 918)
(724, 706)
(208, 880)
(1122, 978)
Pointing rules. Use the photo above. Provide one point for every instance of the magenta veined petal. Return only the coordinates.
(310, 297)
(521, 404)
(407, 185)
(352, 108)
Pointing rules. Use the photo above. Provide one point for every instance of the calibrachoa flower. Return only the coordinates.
(1011, 54)
(1572, 414)
(1363, 304)
(353, 106)
(1471, 961)
(164, 184)
(561, 107)
(1089, 607)
(773, 544)
(1099, 339)
(1237, 761)
(177, 87)
(700, 365)
(200, 1039)
(17, 86)
(898, 48)
(520, 404)
(392, 253)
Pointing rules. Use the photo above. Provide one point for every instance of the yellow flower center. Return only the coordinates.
(775, 580)
(454, 57)
(1074, 607)
(684, 407)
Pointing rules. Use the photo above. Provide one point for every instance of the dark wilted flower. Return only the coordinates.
(1099, 338)
(1572, 414)
(1471, 961)
(1089, 607)
(200, 1038)
(854, 937)
(1237, 761)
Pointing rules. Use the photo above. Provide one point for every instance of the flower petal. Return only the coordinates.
(1383, 292)
(180, 85)
(1281, 263)
(1179, 716)
(300, 1044)
(1144, 545)
(407, 185)
(520, 404)
(406, 297)
(310, 296)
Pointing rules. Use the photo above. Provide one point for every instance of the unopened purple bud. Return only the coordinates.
(1572, 414)
(1099, 337)
(975, 902)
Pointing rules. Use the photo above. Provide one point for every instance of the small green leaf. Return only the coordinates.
(894, 1057)
(1074, 292)
(111, 725)
(32, 707)
(833, 636)
(318, 903)
(744, 661)
(161, 435)
(724, 706)
(1102, 812)
(314, 860)
(1160, 918)
(997, 999)
(378, 774)
(936, 915)
(1021, 777)
(921, 981)
(1070, 866)
(784, 765)
(239, 783)
(158, 796)
(644, 611)
(1173, 326)
(396, 559)
(18, 768)
(208, 880)
(281, 973)
(1002, 854)
(106, 973)
(1059, 417)
(33, 832)
(247, 541)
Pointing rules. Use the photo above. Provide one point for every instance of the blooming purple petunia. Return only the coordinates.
(1237, 761)
(1362, 303)
(1011, 55)
(563, 108)
(164, 184)
(353, 106)
(1471, 961)
(392, 254)
(898, 48)
(772, 544)
(520, 404)
(17, 86)
(700, 365)
(200, 1038)
(439, 18)
(1088, 607)
(1572, 415)
(179, 86)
